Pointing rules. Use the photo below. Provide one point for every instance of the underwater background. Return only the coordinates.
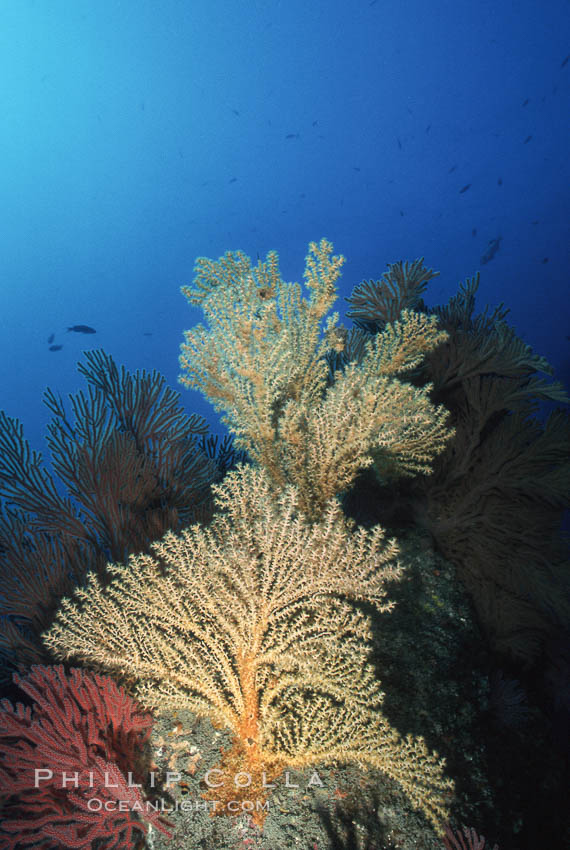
(138, 136)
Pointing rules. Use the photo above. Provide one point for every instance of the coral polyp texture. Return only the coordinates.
(250, 623)
(262, 359)
(65, 763)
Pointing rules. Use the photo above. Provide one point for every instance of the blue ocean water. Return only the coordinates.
(138, 135)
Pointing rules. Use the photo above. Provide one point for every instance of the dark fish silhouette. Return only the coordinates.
(51, 338)
(565, 61)
(355, 168)
(452, 169)
(82, 329)
(464, 189)
(474, 232)
(545, 260)
(315, 123)
(399, 144)
(55, 347)
(500, 181)
(493, 247)
(526, 101)
(428, 128)
(292, 136)
(147, 333)
(527, 140)
(233, 180)
(235, 112)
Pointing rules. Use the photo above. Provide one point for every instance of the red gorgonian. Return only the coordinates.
(70, 764)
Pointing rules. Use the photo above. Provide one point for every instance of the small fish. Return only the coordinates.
(493, 247)
(315, 123)
(55, 347)
(401, 212)
(545, 260)
(82, 329)
(147, 333)
(527, 140)
(464, 188)
(474, 232)
(428, 128)
(233, 180)
(452, 169)
(399, 144)
(235, 112)
(500, 181)
(292, 136)
(51, 338)
(565, 61)
(355, 168)
(525, 102)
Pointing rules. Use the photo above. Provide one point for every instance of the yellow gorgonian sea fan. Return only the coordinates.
(261, 358)
(249, 622)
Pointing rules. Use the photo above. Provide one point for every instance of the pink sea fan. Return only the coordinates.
(86, 727)
(468, 841)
